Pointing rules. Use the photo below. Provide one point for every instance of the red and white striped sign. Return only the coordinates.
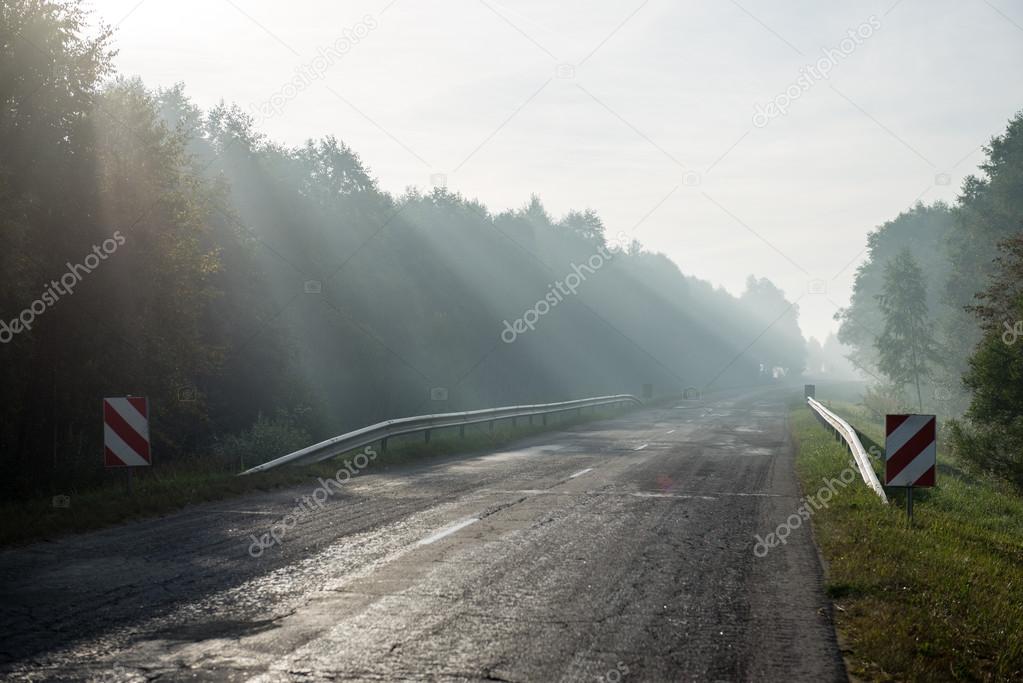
(910, 450)
(126, 432)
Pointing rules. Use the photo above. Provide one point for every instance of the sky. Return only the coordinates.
(738, 138)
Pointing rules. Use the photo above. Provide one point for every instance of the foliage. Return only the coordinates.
(955, 248)
(905, 349)
(992, 439)
(255, 277)
(91, 171)
(266, 439)
(781, 345)
(995, 449)
(924, 229)
(883, 399)
(990, 210)
(829, 359)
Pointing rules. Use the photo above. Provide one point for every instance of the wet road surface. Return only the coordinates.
(616, 550)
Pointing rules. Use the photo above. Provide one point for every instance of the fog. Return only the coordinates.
(509, 203)
(659, 89)
(488, 340)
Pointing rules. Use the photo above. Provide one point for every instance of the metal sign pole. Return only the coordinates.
(909, 503)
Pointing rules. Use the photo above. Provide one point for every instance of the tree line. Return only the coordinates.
(937, 311)
(263, 296)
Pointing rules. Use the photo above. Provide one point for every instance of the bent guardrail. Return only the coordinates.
(381, 431)
(852, 440)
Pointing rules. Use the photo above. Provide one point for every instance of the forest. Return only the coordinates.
(262, 296)
(936, 313)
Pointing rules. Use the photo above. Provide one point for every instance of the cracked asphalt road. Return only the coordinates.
(615, 550)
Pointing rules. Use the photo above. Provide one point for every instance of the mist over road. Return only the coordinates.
(620, 549)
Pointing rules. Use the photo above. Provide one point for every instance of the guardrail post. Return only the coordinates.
(383, 445)
(545, 419)
(426, 435)
(461, 431)
(491, 424)
(513, 423)
(530, 420)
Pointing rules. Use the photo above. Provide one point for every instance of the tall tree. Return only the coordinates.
(990, 211)
(905, 347)
(251, 277)
(584, 224)
(924, 229)
(993, 438)
(777, 341)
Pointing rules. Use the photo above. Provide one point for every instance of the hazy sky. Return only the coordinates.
(643, 111)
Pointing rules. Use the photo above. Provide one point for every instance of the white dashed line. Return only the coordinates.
(651, 494)
(448, 531)
(580, 472)
(641, 447)
(671, 431)
(247, 512)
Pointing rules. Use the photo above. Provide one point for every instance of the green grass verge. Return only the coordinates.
(172, 486)
(942, 600)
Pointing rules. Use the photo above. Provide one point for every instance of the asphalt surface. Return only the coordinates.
(619, 550)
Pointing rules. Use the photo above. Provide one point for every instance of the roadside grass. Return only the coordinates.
(168, 487)
(940, 601)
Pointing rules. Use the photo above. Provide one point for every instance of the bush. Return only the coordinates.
(884, 399)
(994, 449)
(265, 440)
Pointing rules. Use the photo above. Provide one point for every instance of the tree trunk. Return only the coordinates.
(916, 379)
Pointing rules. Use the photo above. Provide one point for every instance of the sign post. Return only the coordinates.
(126, 434)
(910, 453)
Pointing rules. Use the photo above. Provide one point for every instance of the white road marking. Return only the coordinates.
(651, 494)
(641, 447)
(671, 431)
(709, 495)
(448, 531)
(754, 495)
(580, 472)
(248, 512)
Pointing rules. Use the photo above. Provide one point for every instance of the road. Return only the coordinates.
(615, 550)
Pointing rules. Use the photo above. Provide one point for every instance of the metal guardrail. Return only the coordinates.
(844, 430)
(381, 431)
